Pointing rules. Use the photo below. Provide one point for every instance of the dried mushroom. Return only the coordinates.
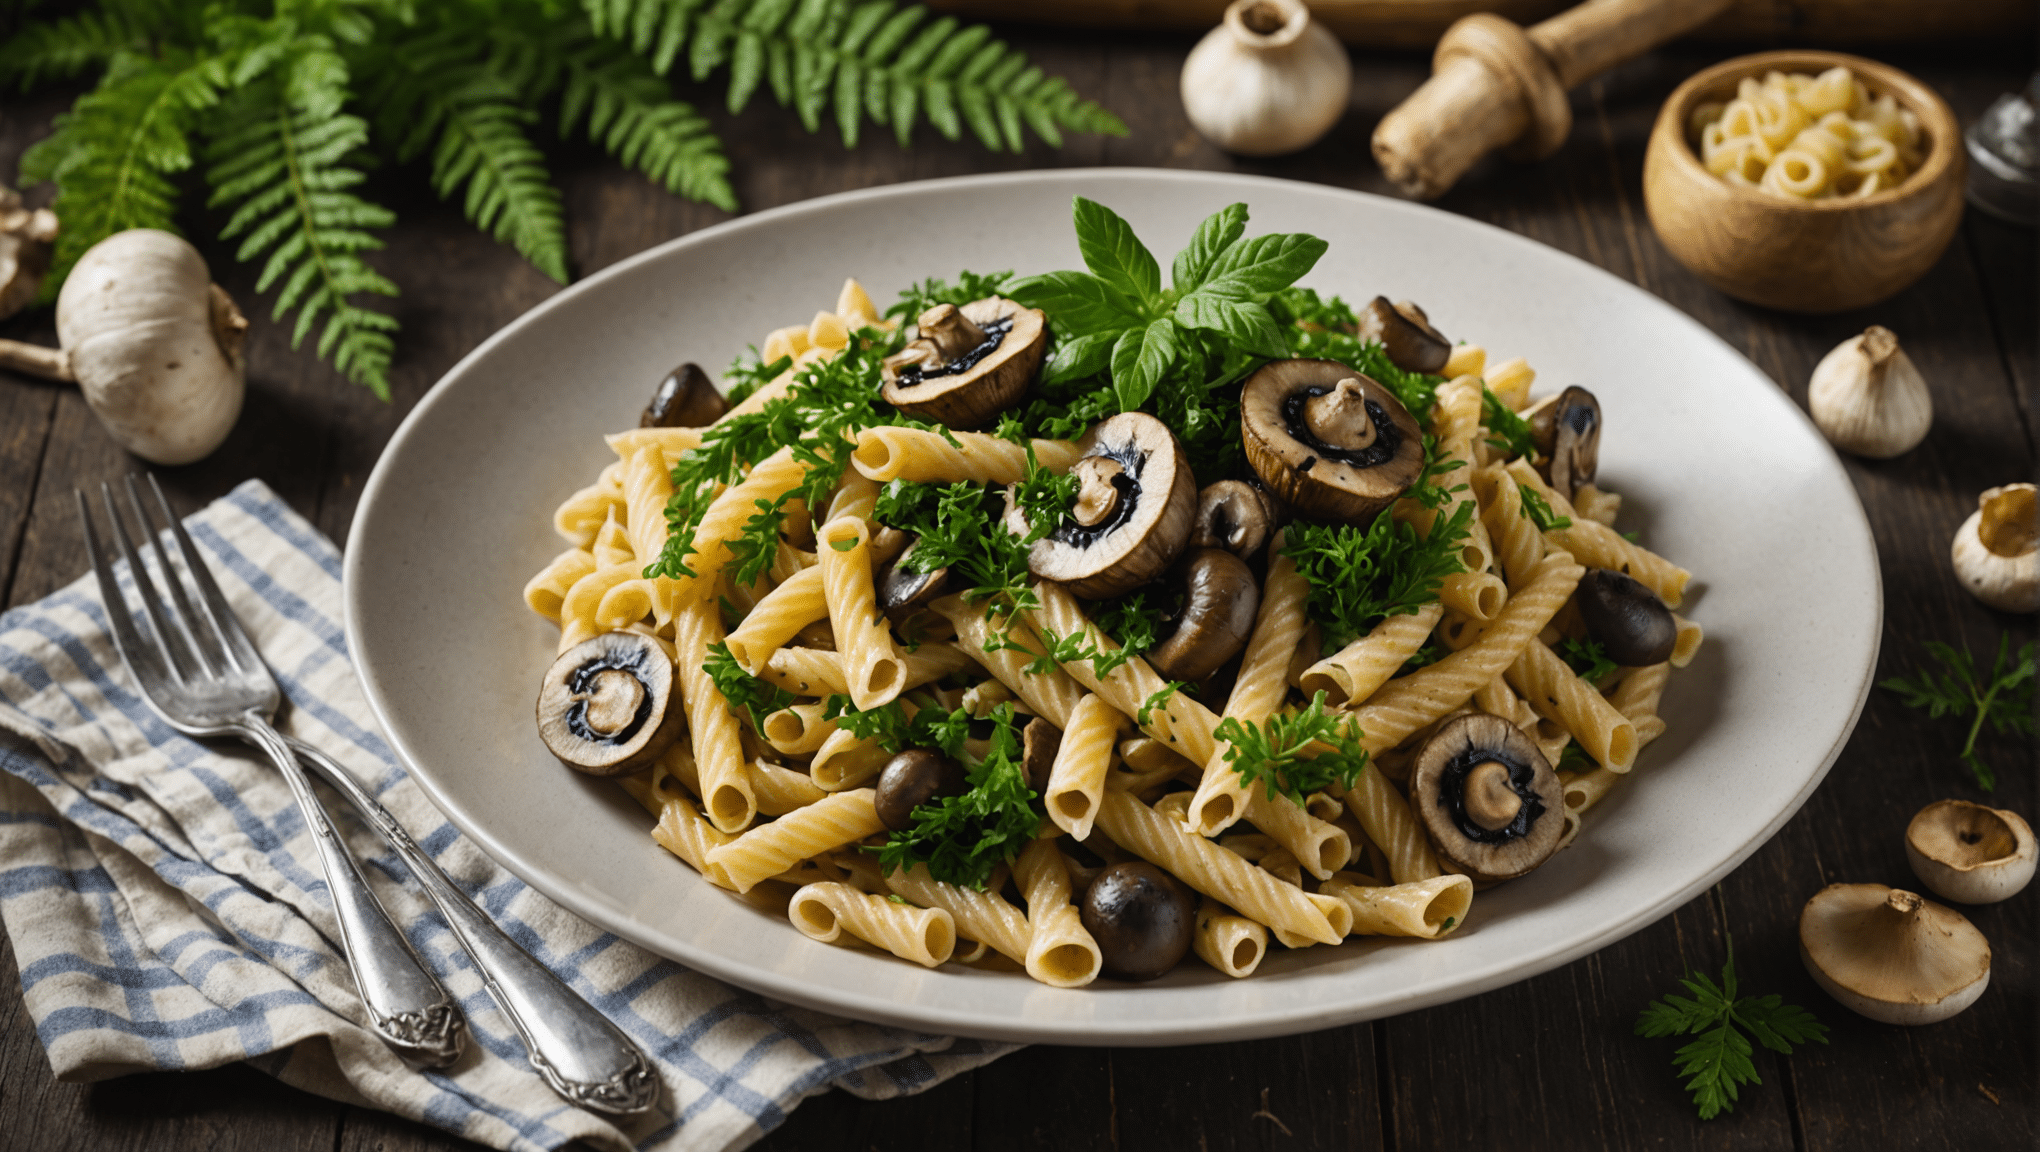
(902, 592)
(1969, 853)
(1487, 797)
(966, 365)
(1132, 513)
(1331, 443)
(609, 705)
(1141, 918)
(1405, 335)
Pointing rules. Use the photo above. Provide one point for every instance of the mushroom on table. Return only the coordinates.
(1888, 954)
(966, 365)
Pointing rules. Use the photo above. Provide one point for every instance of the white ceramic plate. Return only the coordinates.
(1717, 467)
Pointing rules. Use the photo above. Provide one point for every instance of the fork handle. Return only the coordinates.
(574, 1047)
(407, 1007)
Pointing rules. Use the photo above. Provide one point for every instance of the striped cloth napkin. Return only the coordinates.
(167, 910)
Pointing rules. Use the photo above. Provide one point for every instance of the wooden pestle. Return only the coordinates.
(1493, 84)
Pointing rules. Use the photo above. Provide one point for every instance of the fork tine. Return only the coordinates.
(210, 644)
(179, 662)
(126, 639)
(227, 623)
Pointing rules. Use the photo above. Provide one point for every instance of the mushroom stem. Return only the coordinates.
(613, 700)
(1339, 417)
(36, 360)
(2011, 519)
(1880, 344)
(950, 331)
(1491, 801)
(1098, 495)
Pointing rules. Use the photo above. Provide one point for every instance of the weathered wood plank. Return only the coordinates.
(1316, 1091)
(937, 1118)
(1048, 1097)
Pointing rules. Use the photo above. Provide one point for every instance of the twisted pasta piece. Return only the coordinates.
(802, 834)
(1059, 951)
(779, 615)
(1181, 723)
(871, 663)
(889, 453)
(798, 729)
(982, 916)
(1599, 546)
(1228, 941)
(1544, 680)
(825, 911)
(1076, 782)
(1426, 910)
(725, 786)
(1351, 675)
(1258, 689)
(546, 593)
(1051, 695)
(1211, 869)
(1391, 826)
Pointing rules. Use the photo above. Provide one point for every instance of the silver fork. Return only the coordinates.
(579, 1053)
(201, 674)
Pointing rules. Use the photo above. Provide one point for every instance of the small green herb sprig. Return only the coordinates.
(1587, 659)
(1271, 753)
(1360, 577)
(755, 698)
(967, 286)
(1538, 510)
(2005, 699)
(1718, 1062)
(1508, 433)
(1327, 330)
(962, 838)
(1128, 620)
(930, 726)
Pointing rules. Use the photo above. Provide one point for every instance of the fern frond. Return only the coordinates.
(278, 157)
(441, 85)
(112, 155)
(59, 49)
(863, 59)
(631, 112)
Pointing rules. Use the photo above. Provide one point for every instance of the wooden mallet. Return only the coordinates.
(1494, 84)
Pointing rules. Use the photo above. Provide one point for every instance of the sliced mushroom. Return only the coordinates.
(607, 706)
(1405, 334)
(1493, 807)
(1626, 618)
(1969, 853)
(966, 365)
(1889, 955)
(887, 543)
(1132, 514)
(1332, 443)
(903, 592)
(1220, 598)
(1141, 918)
(686, 398)
(913, 778)
(1231, 515)
(1039, 742)
(1568, 433)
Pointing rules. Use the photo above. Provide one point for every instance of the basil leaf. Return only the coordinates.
(1219, 232)
(1077, 302)
(1115, 254)
(1078, 357)
(1138, 360)
(1254, 268)
(1246, 324)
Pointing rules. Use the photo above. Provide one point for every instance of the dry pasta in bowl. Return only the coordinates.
(1809, 137)
(1075, 625)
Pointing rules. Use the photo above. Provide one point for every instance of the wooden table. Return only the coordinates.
(1547, 1063)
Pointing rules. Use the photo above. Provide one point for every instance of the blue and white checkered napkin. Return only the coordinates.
(167, 910)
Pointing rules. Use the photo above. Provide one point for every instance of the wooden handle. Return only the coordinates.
(1493, 84)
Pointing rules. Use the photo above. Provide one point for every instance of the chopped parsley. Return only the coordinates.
(1325, 330)
(968, 286)
(747, 374)
(1271, 752)
(895, 731)
(1508, 433)
(1588, 660)
(747, 694)
(962, 838)
(1538, 511)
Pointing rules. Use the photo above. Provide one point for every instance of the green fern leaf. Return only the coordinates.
(278, 156)
(60, 49)
(113, 154)
(631, 112)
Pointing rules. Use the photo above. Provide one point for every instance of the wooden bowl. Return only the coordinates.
(1803, 255)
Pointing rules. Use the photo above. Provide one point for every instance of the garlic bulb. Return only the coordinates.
(1868, 398)
(1267, 81)
(26, 241)
(1997, 550)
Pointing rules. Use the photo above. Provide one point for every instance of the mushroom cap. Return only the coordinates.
(902, 592)
(1888, 954)
(1316, 479)
(1143, 531)
(608, 706)
(1970, 853)
(1405, 335)
(1220, 600)
(1567, 432)
(971, 389)
(686, 398)
(1626, 618)
(1232, 515)
(1142, 920)
(1994, 552)
(911, 779)
(1452, 762)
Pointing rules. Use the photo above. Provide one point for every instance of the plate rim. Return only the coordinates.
(1303, 1017)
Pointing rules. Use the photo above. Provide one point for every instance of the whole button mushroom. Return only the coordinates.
(966, 365)
(1997, 550)
(1567, 432)
(1142, 920)
(1969, 853)
(686, 398)
(913, 778)
(1488, 799)
(1220, 599)
(607, 706)
(1405, 335)
(1887, 954)
(1132, 513)
(1627, 619)
(1333, 444)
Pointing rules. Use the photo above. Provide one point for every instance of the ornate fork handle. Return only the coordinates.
(583, 1056)
(407, 1007)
